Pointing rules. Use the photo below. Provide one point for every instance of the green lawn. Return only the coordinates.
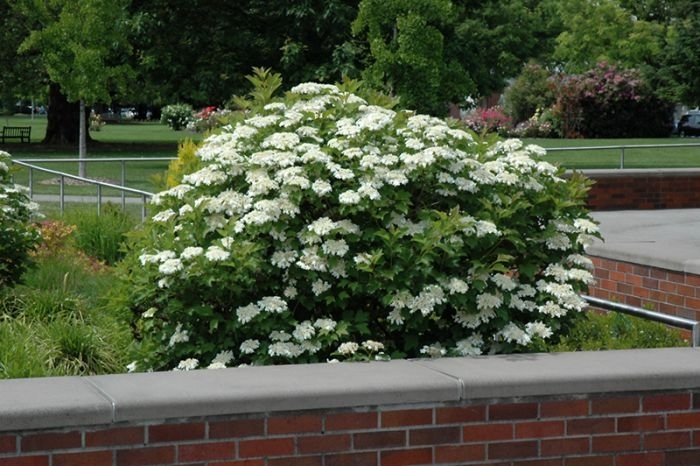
(681, 153)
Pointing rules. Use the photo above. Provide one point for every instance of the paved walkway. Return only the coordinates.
(668, 238)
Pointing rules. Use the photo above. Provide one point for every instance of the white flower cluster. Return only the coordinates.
(330, 190)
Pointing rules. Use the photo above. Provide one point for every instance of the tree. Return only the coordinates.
(408, 52)
(681, 64)
(82, 46)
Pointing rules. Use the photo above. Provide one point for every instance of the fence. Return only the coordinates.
(622, 148)
(126, 194)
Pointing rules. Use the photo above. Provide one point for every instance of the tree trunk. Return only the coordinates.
(63, 126)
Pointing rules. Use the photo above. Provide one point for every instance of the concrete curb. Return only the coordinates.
(70, 401)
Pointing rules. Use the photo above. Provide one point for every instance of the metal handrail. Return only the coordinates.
(622, 148)
(143, 195)
(674, 321)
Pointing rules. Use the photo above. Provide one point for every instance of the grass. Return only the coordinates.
(681, 153)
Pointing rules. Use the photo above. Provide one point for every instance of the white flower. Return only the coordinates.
(373, 346)
(164, 216)
(470, 346)
(538, 328)
(349, 197)
(322, 226)
(280, 335)
(281, 141)
(488, 301)
(216, 254)
(434, 351)
(558, 242)
(349, 348)
(335, 247)
(304, 331)
(585, 226)
(223, 357)
(148, 313)
(457, 286)
(395, 317)
(284, 349)
(178, 336)
(326, 325)
(131, 367)
(504, 282)
(283, 259)
(187, 365)
(216, 365)
(321, 187)
(319, 287)
(290, 292)
(273, 304)
(247, 313)
(249, 346)
(191, 252)
(512, 333)
(170, 266)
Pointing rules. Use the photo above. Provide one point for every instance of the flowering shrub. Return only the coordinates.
(488, 120)
(208, 119)
(18, 237)
(322, 227)
(539, 125)
(177, 116)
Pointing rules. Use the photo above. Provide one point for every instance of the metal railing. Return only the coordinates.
(622, 148)
(674, 321)
(126, 194)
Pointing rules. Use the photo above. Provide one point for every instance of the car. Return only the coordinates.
(689, 124)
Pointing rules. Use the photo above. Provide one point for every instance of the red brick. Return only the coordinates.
(8, 443)
(616, 443)
(460, 453)
(434, 436)
(539, 429)
(640, 459)
(565, 446)
(25, 461)
(502, 412)
(296, 461)
(589, 461)
(565, 408)
(683, 457)
(460, 414)
(379, 440)
(115, 436)
(640, 423)
(51, 441)
(294, 424)
(406, 417)
(485, 432)
(683, 420)
(352, 421)
(352, 459)
(258, 462)
(323, 443)
(237, 428)
(266, 447)
(590, 426)
(176, 432)
(406, 457)
(623, 404)
(146, 456)
(666, 402)
(523, 449)
(666, 440)
(86, 458)
(206, 451)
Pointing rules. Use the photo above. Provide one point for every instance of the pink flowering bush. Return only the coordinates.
(321, 227)
(488, 120)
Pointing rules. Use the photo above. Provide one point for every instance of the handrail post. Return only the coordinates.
(62, 194)
(123, 183)
(695, 335)
(99, 199)
(622, 157)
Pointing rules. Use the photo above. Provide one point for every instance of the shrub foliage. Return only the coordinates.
(321, 227)
(18, 237)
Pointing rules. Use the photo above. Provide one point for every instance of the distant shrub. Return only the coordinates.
(488, 120)
(177, 116)
(18, 236)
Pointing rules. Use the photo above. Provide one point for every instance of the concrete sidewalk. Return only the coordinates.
(667, 238)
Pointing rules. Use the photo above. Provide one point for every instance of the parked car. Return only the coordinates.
(689, 124)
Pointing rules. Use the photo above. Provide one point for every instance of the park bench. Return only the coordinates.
(23, 133)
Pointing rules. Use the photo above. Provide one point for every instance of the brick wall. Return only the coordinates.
(644, 189)
(625, 429)
(617, 408)
(658, 289)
